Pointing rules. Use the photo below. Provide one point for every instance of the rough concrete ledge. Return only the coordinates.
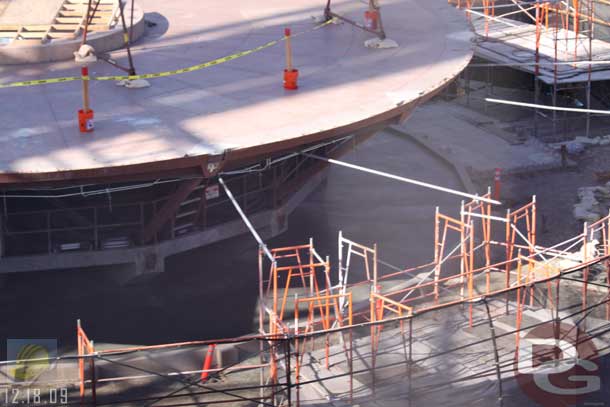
(61, 50)
(441, 153)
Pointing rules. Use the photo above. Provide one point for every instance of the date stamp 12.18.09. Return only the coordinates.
(31, 396)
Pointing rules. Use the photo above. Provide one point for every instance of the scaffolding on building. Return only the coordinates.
(554, 41)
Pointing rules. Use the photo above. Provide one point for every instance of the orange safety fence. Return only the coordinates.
(85, 347)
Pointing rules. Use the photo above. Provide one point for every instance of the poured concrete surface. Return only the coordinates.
(240, 104)
(477, 141)
(29, 12)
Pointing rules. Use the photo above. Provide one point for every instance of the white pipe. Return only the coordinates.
(478, 215)
(545, 107)
(246, 221)
(404, 179)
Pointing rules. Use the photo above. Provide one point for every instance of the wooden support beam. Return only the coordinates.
(169, 209)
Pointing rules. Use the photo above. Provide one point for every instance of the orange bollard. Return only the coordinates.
(497, 184)
(291, 75)
(371, 17)
(85, 121)
(207, 362)
(85, 115)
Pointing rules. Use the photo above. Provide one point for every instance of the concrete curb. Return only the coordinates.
(441, 152)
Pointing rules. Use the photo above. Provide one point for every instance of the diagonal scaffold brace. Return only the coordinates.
(263, 249)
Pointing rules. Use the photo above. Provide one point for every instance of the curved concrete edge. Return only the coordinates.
(62, 50)
(443, 154)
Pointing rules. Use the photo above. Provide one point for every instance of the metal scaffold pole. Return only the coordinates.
(589, 57)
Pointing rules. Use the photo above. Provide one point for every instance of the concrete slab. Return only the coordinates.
(240, 105)
(460, 132)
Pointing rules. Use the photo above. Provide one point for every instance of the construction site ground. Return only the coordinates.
(401, 223)
(149, 310)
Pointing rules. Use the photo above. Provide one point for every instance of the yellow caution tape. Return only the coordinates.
(160, 74)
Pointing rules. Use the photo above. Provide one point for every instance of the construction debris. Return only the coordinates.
(593, 203)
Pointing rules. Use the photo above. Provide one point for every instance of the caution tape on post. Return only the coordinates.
(193, 68)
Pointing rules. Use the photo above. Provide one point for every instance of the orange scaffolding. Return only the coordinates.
(85, 348)
(575, 19)
(374, 304)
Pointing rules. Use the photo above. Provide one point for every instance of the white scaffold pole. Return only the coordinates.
(262, 245)
(404, 179)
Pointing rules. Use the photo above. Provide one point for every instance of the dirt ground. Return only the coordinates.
(556, 193)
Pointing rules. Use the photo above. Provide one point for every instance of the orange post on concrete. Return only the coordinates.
(85, 115)
(371, 17)
(291, 75)
(85, 347)
(207, 362)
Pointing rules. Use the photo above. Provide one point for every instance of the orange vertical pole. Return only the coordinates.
(300, 263)
(530, 275)
(585, 258)
(463, 252)
(538, 32)
(518, 311)
(261, 318)
(273, 366)
(81, 362)
(207, 362)
(373, 347)
(351, 350)
(297, 363)
(91, 351)
(470, 270)
(327, 323)
(508, 248)
(486, 13)
(486, 209)
(576, 26)
(274, 272)
(606, 252)
(608, 284)
(436, 254)
(566, 27)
